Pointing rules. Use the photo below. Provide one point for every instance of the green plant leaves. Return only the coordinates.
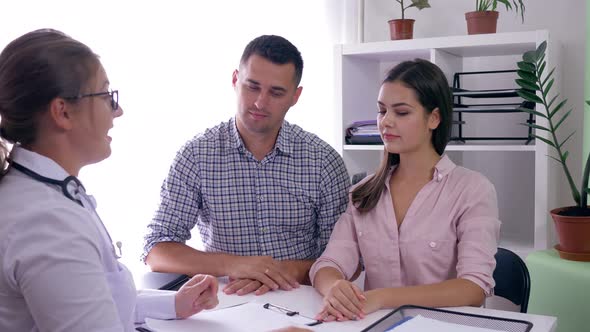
(561, 120)
(527, 84)
(420, 4)
(526, 66)
(530, 56)
(528, 110)
(532, 79)
(540, 52)
(527, 75)
(529, 96)
(567, 139)
(548, 142)
(534, 126)
(557, 108)
(548, 87)
(548, 76)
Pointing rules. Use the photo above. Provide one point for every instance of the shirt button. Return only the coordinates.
(263, 229)
(432, 244)
(439, 177)
(260, 198)
(360, 233)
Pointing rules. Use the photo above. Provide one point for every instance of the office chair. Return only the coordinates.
(512, 278)
(356, 178)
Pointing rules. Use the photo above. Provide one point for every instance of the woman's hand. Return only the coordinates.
(197, 294)
(343, 301)
(373, 302)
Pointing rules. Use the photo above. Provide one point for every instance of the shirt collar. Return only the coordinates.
(234, 137)
(38, 163)
(282, 144)
(442, 168)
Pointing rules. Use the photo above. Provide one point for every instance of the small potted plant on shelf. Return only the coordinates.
(404, 28)
(572, 223)
(485, 17)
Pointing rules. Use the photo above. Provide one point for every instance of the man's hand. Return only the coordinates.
(264, 269)
(245, 286)
(197, 294)
(343, 301)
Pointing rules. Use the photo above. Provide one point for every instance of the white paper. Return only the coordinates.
(421, 323)
(249, 317)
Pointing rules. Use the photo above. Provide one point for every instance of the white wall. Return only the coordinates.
(565, 21)
(172, 63)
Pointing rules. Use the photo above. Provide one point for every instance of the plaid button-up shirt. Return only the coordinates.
(284, 206)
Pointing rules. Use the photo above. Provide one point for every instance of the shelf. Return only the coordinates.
(465, 46)
(522, 174)
(454, 147)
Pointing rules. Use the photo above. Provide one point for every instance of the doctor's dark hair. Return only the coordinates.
(36, 68)
(277, 50)
(432, 91)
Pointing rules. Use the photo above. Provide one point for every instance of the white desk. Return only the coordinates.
(252, 317)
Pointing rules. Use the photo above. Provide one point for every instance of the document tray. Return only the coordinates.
(489, 322)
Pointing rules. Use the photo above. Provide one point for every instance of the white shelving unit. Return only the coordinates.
(527, 187)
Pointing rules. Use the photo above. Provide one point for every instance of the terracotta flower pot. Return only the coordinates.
(573, 233)
(481, 22)
(401, 29)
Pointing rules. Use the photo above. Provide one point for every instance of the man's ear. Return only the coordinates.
(60, 112)
(434, 119)
(234, 78)
(296, 96)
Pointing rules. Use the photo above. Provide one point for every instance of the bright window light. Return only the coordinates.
(172, 63)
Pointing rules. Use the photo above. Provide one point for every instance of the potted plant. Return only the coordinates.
(485, 17)
(404, 28)
(572, 223)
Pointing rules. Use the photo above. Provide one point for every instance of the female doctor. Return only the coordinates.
(58, 266)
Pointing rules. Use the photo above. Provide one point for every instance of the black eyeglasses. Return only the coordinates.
(113, 93)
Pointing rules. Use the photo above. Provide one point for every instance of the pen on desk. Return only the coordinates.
(291, 313)
(142, 329)
(282, 309)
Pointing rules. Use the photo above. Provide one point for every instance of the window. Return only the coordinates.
(186, 50)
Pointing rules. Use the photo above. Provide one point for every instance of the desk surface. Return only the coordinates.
(252, 317)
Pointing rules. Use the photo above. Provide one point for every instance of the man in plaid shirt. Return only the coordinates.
(263, 193)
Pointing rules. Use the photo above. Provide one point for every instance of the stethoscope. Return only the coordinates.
(68, 185)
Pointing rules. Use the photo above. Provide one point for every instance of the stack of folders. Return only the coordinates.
(363, 132)
(421, 323)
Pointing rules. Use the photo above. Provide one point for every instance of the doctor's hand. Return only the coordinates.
(343, 301)
(264, 269)
(197, 294)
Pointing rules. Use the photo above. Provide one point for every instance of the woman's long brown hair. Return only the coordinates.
(432, 90)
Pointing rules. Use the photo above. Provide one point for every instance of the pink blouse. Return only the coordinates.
(450, 230)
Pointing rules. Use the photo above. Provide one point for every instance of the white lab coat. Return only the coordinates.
(58, 270)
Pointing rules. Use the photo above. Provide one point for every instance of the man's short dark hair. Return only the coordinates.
(277, 50)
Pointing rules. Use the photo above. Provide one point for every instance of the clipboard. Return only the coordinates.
(308, 321)
(395, 317)
(248, 317)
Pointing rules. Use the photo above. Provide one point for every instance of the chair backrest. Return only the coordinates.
(512, 278)
(356, 178)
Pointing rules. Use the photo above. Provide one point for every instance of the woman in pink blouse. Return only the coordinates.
(426, 229)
